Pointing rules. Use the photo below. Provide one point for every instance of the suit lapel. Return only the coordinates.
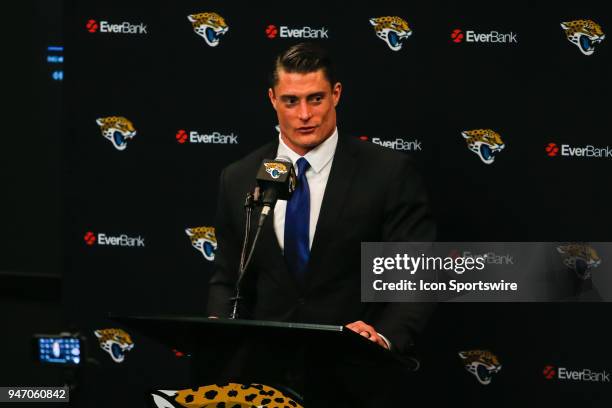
(336, 191)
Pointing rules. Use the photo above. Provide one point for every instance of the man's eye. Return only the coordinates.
(317, 98)
(291, 101)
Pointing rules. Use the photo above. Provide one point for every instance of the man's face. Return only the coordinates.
(306, 108)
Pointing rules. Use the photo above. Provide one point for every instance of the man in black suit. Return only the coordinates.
(306, 267)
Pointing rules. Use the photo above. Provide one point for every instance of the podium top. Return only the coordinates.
(197, 331)
(195, 320)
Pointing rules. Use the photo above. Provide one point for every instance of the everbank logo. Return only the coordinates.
(457, 35)
(492, 37)
(103, 239)
(397, 144)
(125, 27)
(585, 374)
(272, 31)
(183, 136)
(588, 151)
(92, 26)
(549, 372)
(551, 149)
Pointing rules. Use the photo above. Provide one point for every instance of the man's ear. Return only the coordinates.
(336, 91)
(272, 97)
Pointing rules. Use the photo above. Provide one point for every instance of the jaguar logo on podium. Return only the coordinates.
(224, 395)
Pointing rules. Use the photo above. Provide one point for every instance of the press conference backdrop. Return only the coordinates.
(504, 106)
(30, 154)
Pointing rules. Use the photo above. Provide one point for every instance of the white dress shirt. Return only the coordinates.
(320, 159)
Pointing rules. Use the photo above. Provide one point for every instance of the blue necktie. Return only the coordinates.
(297, 224)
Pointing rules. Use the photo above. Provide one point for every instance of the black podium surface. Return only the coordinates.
(327, 365)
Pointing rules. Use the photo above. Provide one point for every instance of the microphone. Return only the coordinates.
(275, 181)
(276, 178)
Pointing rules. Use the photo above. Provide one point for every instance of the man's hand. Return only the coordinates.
(367, 331)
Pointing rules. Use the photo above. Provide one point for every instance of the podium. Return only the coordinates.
(324, 365)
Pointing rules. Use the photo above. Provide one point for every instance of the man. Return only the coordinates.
(306, 267)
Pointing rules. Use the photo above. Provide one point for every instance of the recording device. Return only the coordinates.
(63, 349)
(276, 178)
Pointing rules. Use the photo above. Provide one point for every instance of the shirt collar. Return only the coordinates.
(318, 157)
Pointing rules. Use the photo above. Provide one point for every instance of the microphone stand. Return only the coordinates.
(265, 194)
(250, 202)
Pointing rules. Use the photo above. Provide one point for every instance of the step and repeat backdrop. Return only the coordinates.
(505, 108)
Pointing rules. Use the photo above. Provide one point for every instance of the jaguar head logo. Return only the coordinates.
(204, 240)
(580, 258)
(486, 143)
(482, 363)
(115, 342)
(275, 169)
(210, 26)
(585, 34)
(117, 129)
(392, 30)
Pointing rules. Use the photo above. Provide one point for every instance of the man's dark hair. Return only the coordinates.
(303, 58)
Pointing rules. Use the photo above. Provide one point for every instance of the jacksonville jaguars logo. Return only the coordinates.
(117, 129)
(486, 143)
(204, 240)
(580, 258)
(226, 395)
(210, 26)
(275, 169)
(585, 34)
(115, 342)
(482, 363)
(392, 30)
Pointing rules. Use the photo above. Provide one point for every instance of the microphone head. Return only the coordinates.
(277, 174)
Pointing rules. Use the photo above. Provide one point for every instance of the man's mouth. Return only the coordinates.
(306, 129)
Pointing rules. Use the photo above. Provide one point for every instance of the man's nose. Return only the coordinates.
(304, 113)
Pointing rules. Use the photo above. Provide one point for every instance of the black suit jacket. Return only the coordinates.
(372, 194)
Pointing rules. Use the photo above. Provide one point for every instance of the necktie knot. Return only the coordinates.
(302, 166)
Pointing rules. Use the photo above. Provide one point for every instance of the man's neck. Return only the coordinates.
(301, 151)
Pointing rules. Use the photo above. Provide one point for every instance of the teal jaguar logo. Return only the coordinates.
(392, 30)
(275, 169)
(481, 363)
(204, 240)
(115, 342)
(580, 258)
(584, 34)
(486, 143)
(210, 26)
(117, 129)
